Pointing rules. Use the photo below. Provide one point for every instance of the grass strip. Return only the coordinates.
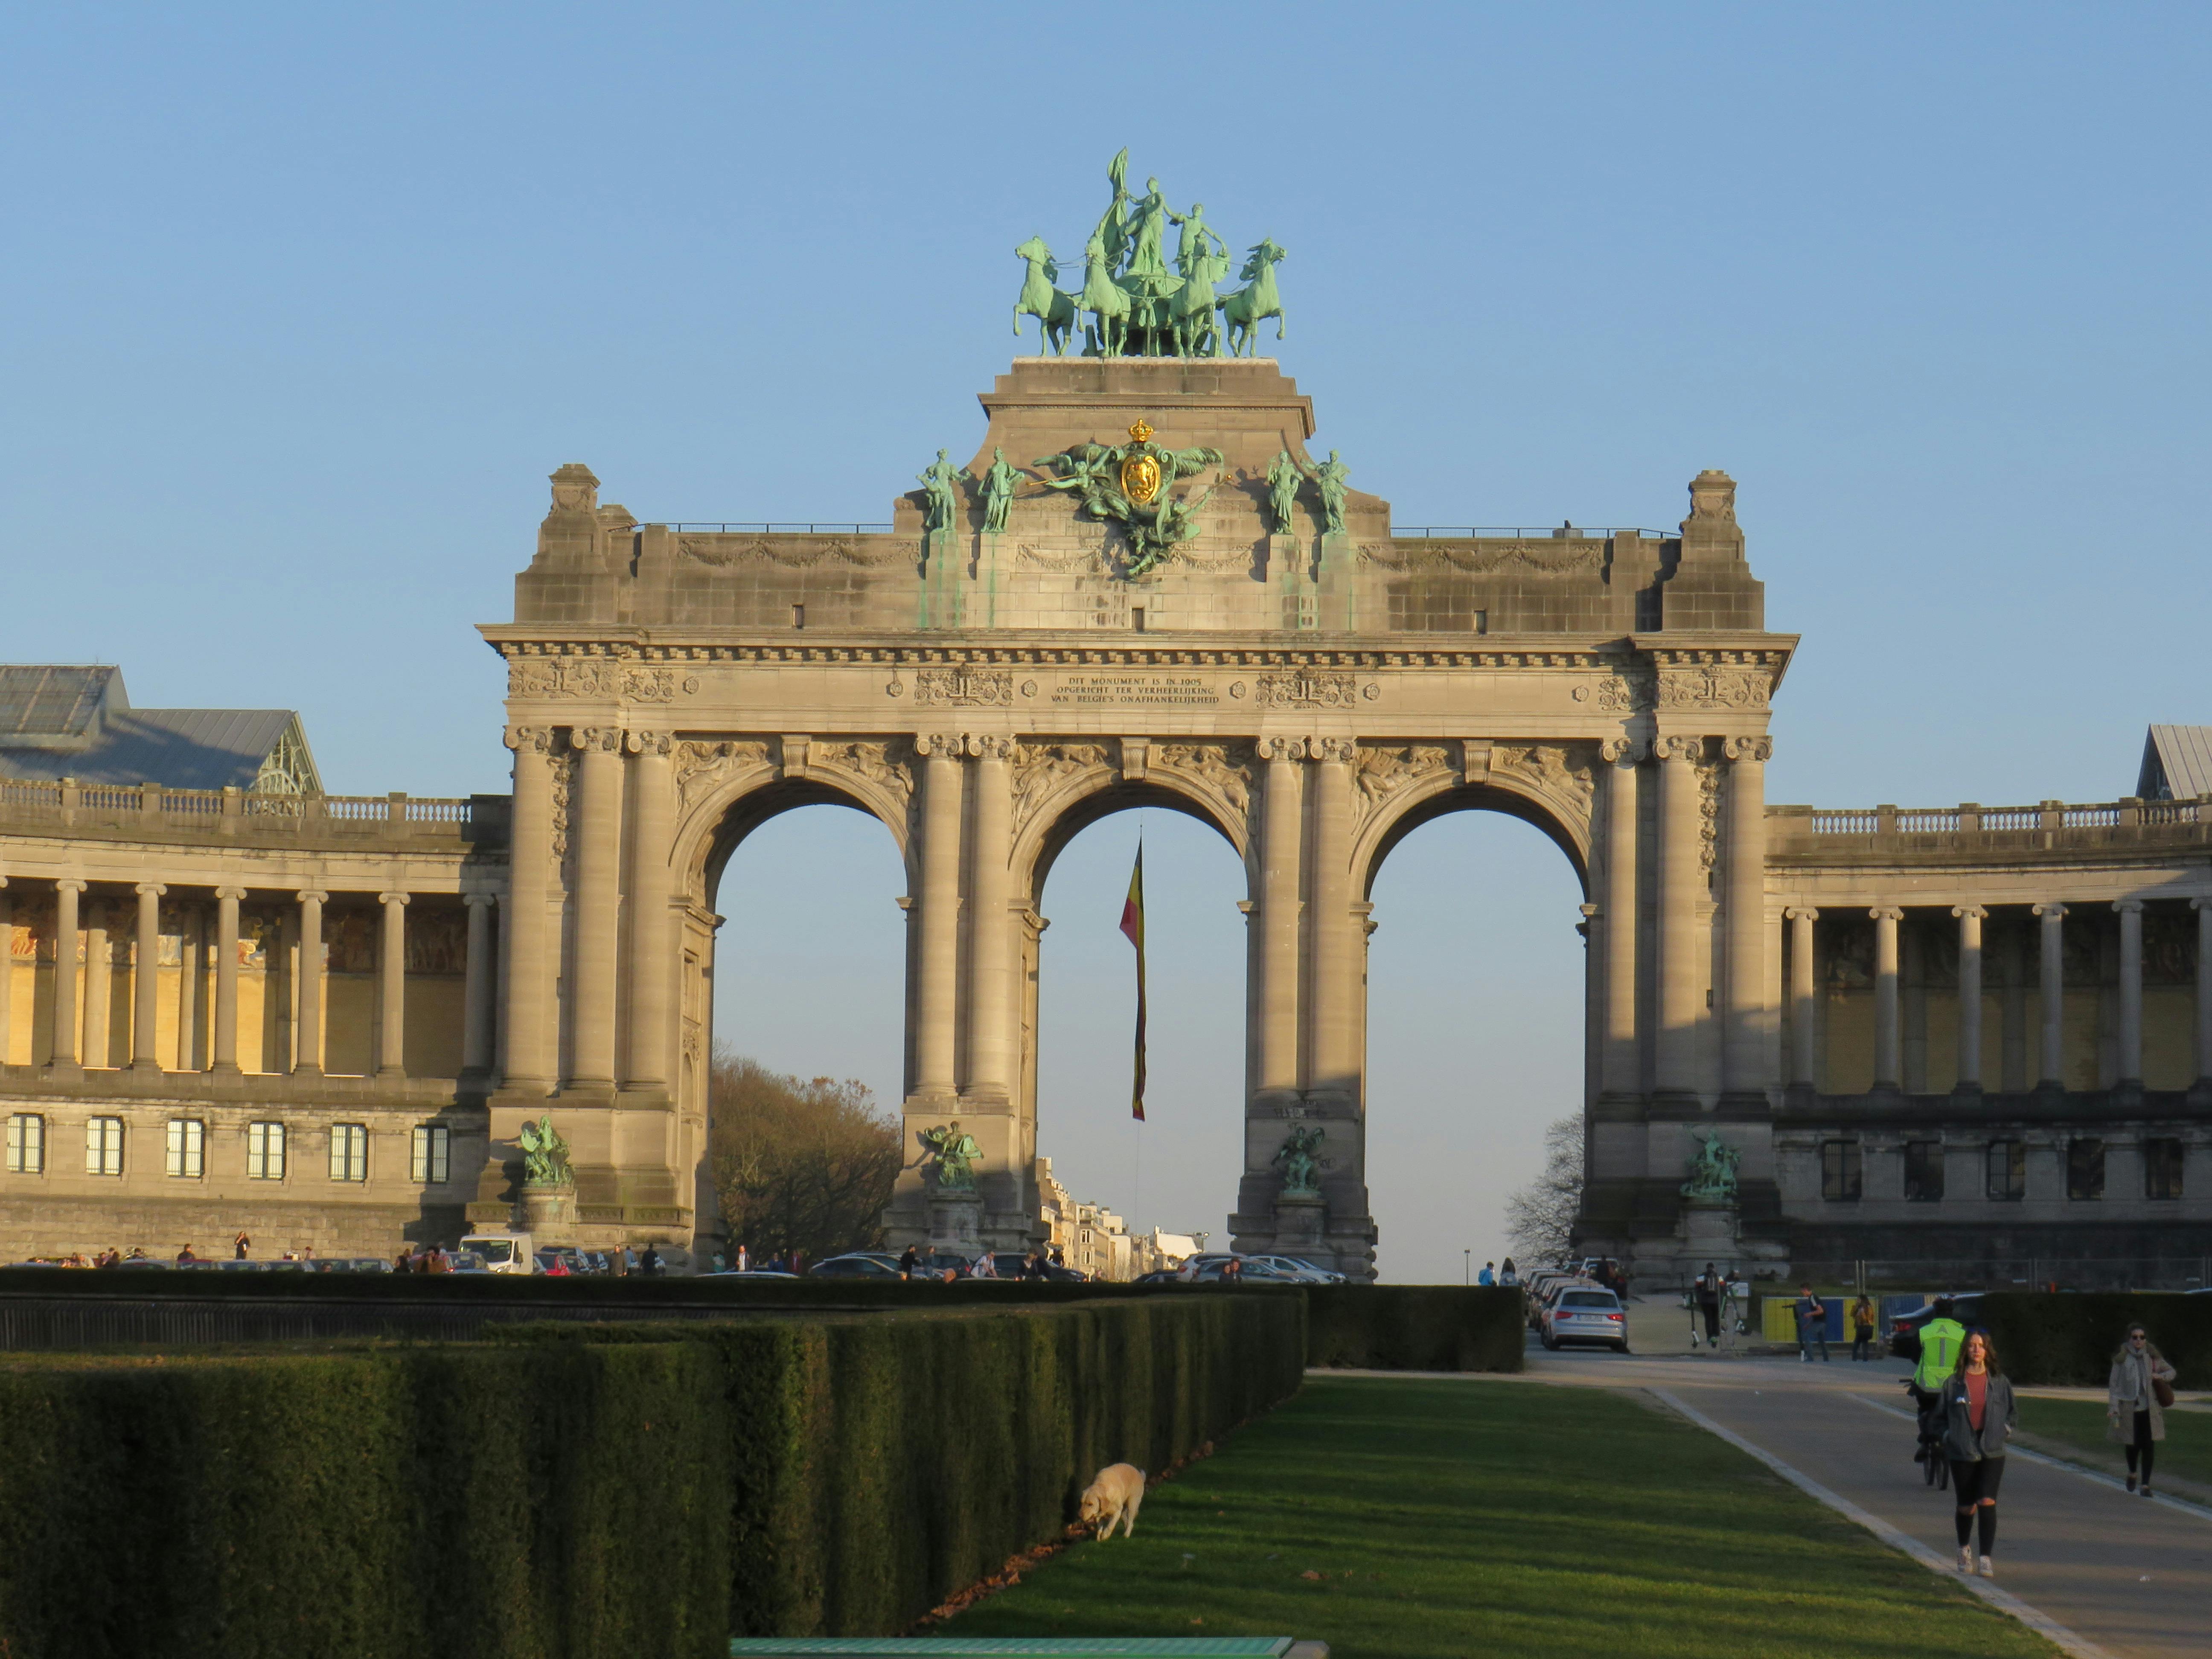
(2186, 1450)
(1418, 1519)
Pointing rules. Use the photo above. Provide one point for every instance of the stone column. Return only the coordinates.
(1280, 835)
(191, 957)
(6, 968)
(2204, 908)
(936, 1050)
(1744, 1051)
(146, 979)
(65, 978)
(1623, 1065)
(476, 989)
(1680, 877)
(1970, 917)
(652, 947)
(1887, 1057)
(2131, 966)
(99, 984)
(991, 989)
(1335, 940)
(308, 1047)
(1802, 1049)
(226, 980)
(2053, 1071)
(392, 987)
(598, 828)
(533, 941)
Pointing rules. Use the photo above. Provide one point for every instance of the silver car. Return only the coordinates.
(1584, 1313)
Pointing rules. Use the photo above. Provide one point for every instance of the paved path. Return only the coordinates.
(2119, 1575)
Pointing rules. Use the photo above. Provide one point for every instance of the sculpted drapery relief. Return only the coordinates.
(1040, 767)
(1382, 769)
(1223, 769)
(701, 767)
(1565, 773)
(882, 761)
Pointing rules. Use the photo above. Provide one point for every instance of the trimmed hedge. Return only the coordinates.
(2070, 1339)
(584, 1492)
(1415, 1328)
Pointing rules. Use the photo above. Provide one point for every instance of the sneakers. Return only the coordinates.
(2146, 1489)
(2131, 1483)
(1988, 1569)
(1965, 1558)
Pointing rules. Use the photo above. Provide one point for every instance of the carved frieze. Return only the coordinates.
(1566, 773)
(795, 552)
(990, 688)
(571, 677)
(1544, 558)
(561, 766)
(701, 767)
(1627, 692)
(1707, 686)
(883, 762)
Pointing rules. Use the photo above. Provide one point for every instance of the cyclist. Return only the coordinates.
(1941, 1340)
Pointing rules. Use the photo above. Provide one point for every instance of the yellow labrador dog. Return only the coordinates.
(1115, 1495)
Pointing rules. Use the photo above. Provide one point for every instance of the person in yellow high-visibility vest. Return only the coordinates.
(1941, 1340)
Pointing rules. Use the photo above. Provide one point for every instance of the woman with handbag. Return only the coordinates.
(2136, 1399)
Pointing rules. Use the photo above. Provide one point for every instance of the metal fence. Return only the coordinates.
(782, 529)
(2022, 1273)
(1490, 533)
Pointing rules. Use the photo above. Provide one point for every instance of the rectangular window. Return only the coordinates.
(187, 1152)
(1839, 1171)
(433, 1154)
(348, 1152)
(265, 1151)
(2008, 1171)
(103, 1146)
(26, 1143)
(2161, 1168)
(1924, 1170)
(2084, 1168)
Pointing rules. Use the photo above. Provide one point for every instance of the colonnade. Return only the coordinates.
(82, 978)
(2050, 1047)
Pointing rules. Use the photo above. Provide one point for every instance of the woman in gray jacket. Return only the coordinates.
(2133, 1415)
(1979, 1415)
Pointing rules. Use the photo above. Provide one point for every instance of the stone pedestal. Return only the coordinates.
(1301, 1220)
(548, 1214)
(956, 1221)
(1702, 1233)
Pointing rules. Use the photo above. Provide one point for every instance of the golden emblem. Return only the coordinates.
(1140, 474)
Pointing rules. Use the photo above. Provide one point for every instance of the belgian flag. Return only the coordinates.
(1133, 924)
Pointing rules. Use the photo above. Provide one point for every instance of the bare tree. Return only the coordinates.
(798, 1163)
(1539, 1219)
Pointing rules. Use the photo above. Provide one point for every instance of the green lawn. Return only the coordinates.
(2185, 1451)
(1406, 1519)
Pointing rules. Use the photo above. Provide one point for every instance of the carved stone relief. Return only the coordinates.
(1040, 767)
(1225, 769)
(1385, 769)
(566, 677)
(1566, 773)
(702, 767)
(882, 761)
(1714, 688)
(794, 553)
(1627, 693)
(1547, 558)
(992, 687)
(561, 766)
(1305, 691)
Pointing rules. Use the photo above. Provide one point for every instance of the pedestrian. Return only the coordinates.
(240, 1245)
(2136, 1399)
(404, 1261)
(1812, 1325)
(558, 1268)
(744, 1259)
(185, 1256)
(650, 1267)
(1033, 1265)
(1863, 1328)
(1507, 1277)
(1232, 1271)
(1488, 1275)
(985, 1267)
(1707, 1290)
(909, 1259)
(1979, 1415)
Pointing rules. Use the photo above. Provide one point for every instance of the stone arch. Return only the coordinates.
(1420, 784)
(733, 787)
(1199, 785)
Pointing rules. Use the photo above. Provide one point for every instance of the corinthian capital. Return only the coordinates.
(1620, 751)
(1678, 748)
(597, 739)
(660, 744)
(1748, 749)
(531, 739)
(1335, 752)
(990, 745)
(1282, 749)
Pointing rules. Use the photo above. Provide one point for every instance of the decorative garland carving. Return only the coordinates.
(1082, 558)
(793, 553)
(561, 767)
(1549, 558)
(987, 687)
(1714, 688)
(1305, 690)
(568, 676)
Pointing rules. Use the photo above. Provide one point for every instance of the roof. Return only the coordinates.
(74, 721)
(2176, 763)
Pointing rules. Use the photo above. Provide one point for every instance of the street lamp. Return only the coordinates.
(1467, 1267)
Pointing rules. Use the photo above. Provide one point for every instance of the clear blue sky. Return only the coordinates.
(301, 304)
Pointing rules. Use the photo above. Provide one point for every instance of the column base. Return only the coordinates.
(2199, 1092)
(225, 1068)
(63, 1071)
(1968, 1093)
(1744, 1106)
(306, 1068)
(1676, 1103)
(147, 1067)
(2128, 1091)
(390, 1074)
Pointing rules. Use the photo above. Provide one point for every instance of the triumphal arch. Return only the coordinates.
(1973, 1040)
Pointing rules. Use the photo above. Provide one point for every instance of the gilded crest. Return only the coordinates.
(1141, 478)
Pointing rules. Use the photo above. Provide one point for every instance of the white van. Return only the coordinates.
(502, 1253)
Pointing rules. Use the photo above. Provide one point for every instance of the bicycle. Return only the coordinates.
(1927, 1451)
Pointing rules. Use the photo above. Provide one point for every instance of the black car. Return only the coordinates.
(1905, 1329)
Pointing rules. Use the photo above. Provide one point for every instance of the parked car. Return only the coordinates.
(1586, 1314)
(1299, 1265)
(1541, 1298)
(1533, 1289)
(857, 1265)
(1905, 1329)
(1160, 1276)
